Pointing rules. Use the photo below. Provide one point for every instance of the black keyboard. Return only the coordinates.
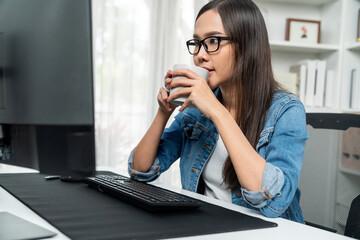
(142, 195)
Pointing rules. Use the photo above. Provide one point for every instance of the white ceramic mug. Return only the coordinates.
(202, 72)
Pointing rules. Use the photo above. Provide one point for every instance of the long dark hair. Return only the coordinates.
(252, 75)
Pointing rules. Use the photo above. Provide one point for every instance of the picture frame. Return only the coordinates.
(303, 30)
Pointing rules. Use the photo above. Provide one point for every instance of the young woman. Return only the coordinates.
(244, 141)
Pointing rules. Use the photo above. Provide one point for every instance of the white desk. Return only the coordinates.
(9, 203)
(286, 229)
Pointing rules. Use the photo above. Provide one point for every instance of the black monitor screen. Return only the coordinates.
(46, 58)
(46, 85)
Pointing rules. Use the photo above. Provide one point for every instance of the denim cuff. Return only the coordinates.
(151, 175)
(272, 183)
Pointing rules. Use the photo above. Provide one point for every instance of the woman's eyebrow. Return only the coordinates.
(196, 36)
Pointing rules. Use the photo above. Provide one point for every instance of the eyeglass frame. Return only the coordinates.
(202, 43)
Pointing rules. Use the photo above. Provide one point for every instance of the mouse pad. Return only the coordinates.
(81, 212)
(16, 228)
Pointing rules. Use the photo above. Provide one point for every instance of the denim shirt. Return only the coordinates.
(192, 137)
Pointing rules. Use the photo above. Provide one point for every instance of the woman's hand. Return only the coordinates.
(165, 106)
(196, 88)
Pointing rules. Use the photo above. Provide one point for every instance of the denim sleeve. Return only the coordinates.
(151, 175)
(168, 152)
(283, 155)
(273, 180)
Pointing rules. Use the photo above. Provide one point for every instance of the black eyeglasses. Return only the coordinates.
(211, 44)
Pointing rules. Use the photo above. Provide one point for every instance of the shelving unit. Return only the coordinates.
(338, 46)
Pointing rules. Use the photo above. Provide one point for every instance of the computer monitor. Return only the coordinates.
(46, 86)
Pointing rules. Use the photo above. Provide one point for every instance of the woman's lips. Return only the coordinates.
(209, 69)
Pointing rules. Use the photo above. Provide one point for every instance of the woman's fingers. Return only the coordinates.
(186, 91)
(169, 74)
(185, 105)
(188, 84)
(167, 80)
(167, 83)
(183, 77)
(163, 95)
(181, 82)
(185, 72)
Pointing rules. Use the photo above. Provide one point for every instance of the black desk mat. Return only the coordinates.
(84, 213)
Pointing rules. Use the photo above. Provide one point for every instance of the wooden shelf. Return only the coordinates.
(302, 48)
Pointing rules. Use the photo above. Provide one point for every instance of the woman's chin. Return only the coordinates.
(212, 86)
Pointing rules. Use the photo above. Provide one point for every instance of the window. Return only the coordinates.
(135, 43)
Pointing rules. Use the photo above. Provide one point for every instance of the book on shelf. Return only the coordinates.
(329, 88)
(320, 74)
(300, 71)
(288, 81)
(310, 81)
(354, 99)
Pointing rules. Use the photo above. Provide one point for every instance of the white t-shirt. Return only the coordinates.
(212, 174)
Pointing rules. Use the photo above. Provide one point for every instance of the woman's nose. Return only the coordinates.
(202, 55)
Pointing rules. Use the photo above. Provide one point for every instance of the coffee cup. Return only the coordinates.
(202, 72)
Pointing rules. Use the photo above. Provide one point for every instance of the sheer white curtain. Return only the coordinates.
(135, 43)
